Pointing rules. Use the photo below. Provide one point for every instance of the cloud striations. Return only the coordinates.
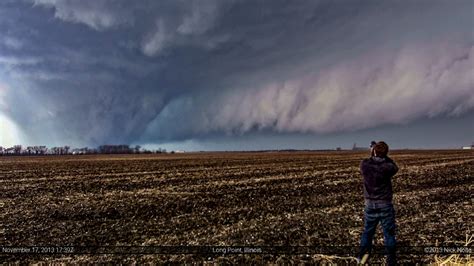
(103, 71)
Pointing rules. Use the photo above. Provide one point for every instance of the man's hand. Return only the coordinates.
(394, 169)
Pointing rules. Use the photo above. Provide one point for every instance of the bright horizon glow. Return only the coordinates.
(10, 134)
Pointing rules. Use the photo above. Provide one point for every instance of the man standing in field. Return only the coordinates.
(378, 171)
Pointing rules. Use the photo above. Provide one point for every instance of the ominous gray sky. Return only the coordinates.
(236, 74)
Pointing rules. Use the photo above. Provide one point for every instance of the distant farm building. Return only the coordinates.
(9, 151)
(82, 151)
(36, 150)
(468, 147)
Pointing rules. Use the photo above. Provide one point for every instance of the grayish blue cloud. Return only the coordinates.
(103, 71)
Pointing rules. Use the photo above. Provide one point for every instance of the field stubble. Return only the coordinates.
(297, 198)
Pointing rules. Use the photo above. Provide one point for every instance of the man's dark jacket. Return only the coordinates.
(378, 173)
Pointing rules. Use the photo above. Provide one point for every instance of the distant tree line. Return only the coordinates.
(66, 150)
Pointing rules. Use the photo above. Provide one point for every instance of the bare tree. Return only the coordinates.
(17, 149)
(137, 148)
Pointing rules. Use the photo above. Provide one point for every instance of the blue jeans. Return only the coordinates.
(373, 213)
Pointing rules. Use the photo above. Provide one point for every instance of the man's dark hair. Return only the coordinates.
(381, 149)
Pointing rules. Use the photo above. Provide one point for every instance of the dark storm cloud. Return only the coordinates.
(91, 72)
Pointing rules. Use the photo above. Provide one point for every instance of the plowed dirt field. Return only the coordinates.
(220, 199)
